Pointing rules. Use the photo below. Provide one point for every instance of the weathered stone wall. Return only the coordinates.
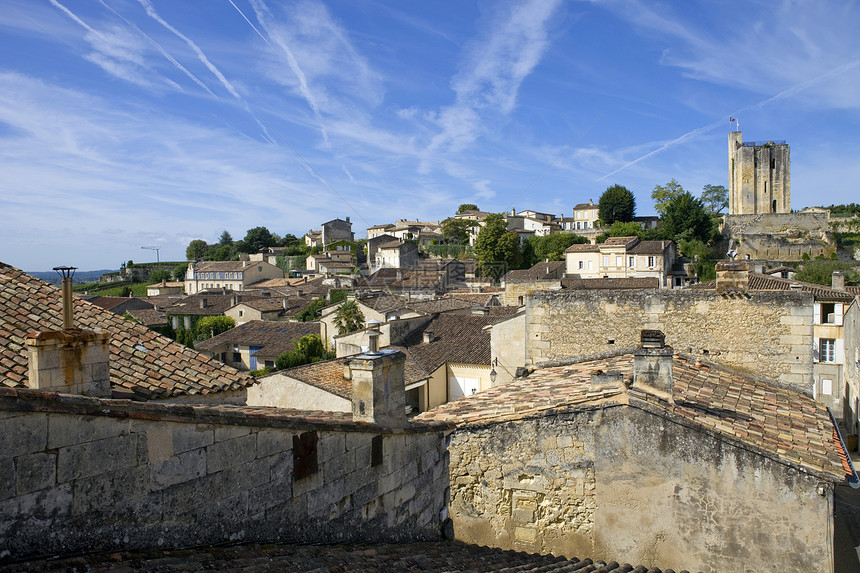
(638, 487)
(82, 474)
(766, 334)
(508, 346)
(851, 371)
(517, 292)
(780, 236)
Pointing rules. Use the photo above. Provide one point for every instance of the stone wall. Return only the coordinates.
(82, 474)
(517, 292)
(765, 334)
(851, 370)
(624, 483)
(780, 236)
(508, 347)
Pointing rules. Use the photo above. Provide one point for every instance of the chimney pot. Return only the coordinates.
(837, 280)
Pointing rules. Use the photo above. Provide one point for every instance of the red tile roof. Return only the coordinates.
(142, 361)
(779, 423)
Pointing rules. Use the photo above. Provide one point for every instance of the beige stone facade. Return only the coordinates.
(767, 334)
(759, 176)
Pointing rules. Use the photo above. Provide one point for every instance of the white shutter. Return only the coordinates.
(837, 311)
(816, 313)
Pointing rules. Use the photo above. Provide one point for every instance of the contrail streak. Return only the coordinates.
(795, 89)
(249, 22)
(164, 52)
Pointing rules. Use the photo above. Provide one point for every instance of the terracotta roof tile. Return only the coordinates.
(552, 270)
(582, 248)
(141, 361)
(625, 241)
(777, 422)
(607, 283)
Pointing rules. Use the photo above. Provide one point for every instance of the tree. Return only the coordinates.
(210, 326)
(467, 207)
(256, 239)
(179, 271)
(552, 247)
(348, 317)
(196, 250)
(619, 229)
(225, 239)
(307, 349)
(497, 250)
(821, 272)
(311, 311)
(715, 198)
(616, 204)
(159, 275)
(222, 252)
(457, 231)
(685, 218)
(662, 194)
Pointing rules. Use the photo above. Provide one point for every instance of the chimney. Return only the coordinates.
(732, 275)
(479, 310)
(70, 361)
(513, 212)
(347, 219)
(428, 336)
(234, 300)
(399, 274)
(652, 365)
(837, 280)
(202, 303)
(67, 273)
(286, 304)
(299, 292)
(378, 393)
(373, 342)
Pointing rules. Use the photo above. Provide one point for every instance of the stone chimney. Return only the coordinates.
(652, 365)
(378, 391)
(71, 361)
(732, 275)
(837, 280)
(428, 336)
(479, 310)
(202, 303)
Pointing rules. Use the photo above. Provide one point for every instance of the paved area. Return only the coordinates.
(371, 558)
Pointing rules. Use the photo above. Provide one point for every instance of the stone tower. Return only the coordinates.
(759, 176)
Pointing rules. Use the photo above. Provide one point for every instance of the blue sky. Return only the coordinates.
(129, 123)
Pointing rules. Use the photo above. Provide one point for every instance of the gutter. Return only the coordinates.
(852, 478)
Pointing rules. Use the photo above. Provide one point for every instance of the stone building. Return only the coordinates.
(627, 257)
(230, 275)
(651, 458)
(759, 176)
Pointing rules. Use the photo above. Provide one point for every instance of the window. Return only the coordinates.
(631, 262)
(304, 455)
(376, 451)
(650, 262)
(827, 387)
(581, 264)
(618, 261)
(827, 350)
(241, 313)
(590, 265)
(605, 261)
(237, 357)
(828, 313)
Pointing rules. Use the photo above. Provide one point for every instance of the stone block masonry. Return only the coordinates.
(80, 474)
(764, 334)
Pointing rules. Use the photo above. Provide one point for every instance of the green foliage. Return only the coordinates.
(312, 311)
(620, 229)
(456, 231)
(209, 326)
(821, 272)
(847, 240)
(185, 337)
(337, 295)
(497, 250)
(448, 251)
(125, 291)
(467, 207)
(685, 218)
(663, 194)
(616, 204)
(703, 257)
(256, 239)
(715, 198)
(849, 210)
(307, 349)
(127, 315)
(159, 275)
(804, 257)
(260, 371)
(197, 249)
(225, 239)
(348, 317)
(179, 271)
(552, 247)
